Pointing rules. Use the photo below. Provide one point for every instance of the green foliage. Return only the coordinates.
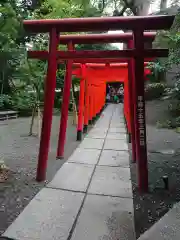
(174, 42)
(154, 91)
(10, 30)
(165, 124)
(95, 47)
(171, 123)
(171, 40)
(5, 102)
(22, 81)
(157, 71)
(66, 9)
(174, 108)
(23, 101)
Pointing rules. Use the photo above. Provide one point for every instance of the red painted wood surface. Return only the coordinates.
(96, 74)
(81, 102)
(49, 95)
(98, 24)
(99, 54)
(65, 107)
(103, 38)
(132, 103)
(140, 116)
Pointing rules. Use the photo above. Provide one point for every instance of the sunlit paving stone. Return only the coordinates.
(72, 176)
(112, 144)
(86, 156)
(114, 158)
(111, 181)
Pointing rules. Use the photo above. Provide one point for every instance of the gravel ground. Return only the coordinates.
(20, 154)
(163, 159)
(19, 151)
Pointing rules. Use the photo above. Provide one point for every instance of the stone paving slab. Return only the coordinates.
(117, 119)
(50, 215)
(111, 181)
(72, 176)
(97, 133)
(114, 158)
(92, 143)
(117, 130)
(117, 125)
(101, 126)
(107, 213)
(121, 136)
(102, 123)
(98, 130)
(113, 144)
(86, 156)
(105, 218)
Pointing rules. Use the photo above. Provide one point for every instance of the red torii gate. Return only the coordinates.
(90, 38)
(95, 73)
(137, 25)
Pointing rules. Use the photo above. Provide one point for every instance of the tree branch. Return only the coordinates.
(117, 13)
(130, 5)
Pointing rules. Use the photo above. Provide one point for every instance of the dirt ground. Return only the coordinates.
(163, 160)
(19, 151)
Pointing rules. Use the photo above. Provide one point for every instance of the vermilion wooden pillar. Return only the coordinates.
(93, 113)
(81, 106)
(132, 103)
(140, 112)
(101, 96)
(91, 102)
(86, 110)
(49, 94)
(126, 106)
(65, 107)
(96, 95)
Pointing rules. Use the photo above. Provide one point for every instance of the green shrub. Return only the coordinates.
(169, 123)
(23, 102)
(154, 91)
(5, 102)
(174, 108)
(165, 124)
(178, 121)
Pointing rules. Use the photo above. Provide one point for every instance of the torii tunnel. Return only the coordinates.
(134, 55)
(93, 78)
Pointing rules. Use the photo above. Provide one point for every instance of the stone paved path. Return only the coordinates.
(20, 153)
(90, 197)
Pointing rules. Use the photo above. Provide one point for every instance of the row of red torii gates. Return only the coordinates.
(129, 66)
(93, 80)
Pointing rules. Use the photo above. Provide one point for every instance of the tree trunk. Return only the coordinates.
(142, 7)
(163, 5)
(32, 120)
(39, 118)
(139, 8)
(74, 106)
(2, 85)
